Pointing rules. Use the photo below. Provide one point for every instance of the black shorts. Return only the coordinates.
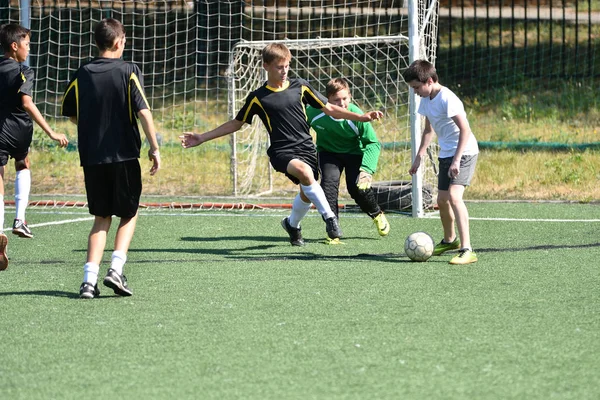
(18, 152)
(113, 189)
(14, 145)
(280, 161)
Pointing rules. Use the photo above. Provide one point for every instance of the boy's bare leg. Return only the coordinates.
(310, 190)
(114, 278)
(461, 214)
(125, 233)
(446, 215)
(96, 244)
(97, 239)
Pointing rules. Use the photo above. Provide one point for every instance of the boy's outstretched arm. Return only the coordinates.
(190, 139)
(425, 141)
(341, 113)
(147, 121)
(37, 116)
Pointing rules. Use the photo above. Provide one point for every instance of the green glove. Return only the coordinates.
(363, 182)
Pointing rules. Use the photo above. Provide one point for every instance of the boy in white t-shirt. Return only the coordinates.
(445, 114)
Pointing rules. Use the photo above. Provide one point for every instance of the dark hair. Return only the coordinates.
(335, 85)
(107, 32)
(420, 70)
(12, 33)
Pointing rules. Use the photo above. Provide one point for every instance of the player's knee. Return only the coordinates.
(443, 198)
(22, 164)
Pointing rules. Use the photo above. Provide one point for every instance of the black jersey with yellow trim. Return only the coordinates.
(283, 112)
(105, 96)
(16, 80)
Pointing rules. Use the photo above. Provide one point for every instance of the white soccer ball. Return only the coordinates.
(419, 246)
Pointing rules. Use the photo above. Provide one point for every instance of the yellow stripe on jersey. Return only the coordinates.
(24, 79)
(257, 102)
(133, 78)
(286, 84)
(310, 92)
(74, 85)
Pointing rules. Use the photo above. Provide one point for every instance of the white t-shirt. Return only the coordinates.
(439, 111)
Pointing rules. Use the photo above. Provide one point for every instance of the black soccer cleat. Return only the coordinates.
(118, 283)
(295, 233)
(332, 226)
(88, 291)
(21, 229)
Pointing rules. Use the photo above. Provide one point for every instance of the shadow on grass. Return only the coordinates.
(304, 254)
(51, 293)
(540, 247)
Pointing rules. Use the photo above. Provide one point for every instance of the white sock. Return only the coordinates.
(315, 194)
(2, 213)
(22, 188)
(299, 210)
(90, 273)
(118, 261)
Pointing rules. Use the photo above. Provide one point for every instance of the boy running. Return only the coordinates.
(17, 113)
(281, 105)
(105, 98)
(343, 144)
(445, 113)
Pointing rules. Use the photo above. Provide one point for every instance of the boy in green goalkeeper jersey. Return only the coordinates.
(351, 146)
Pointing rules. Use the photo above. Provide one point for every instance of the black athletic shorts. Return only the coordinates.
(113, 189)
(280, 161)
(14, 148)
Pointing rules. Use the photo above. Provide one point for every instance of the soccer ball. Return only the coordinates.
(419, 246)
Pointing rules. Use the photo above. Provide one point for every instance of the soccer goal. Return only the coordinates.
(201, 58)
(373, 65)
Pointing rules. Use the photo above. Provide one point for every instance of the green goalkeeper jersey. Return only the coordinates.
(346, 137)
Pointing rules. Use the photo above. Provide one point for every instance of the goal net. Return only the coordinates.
(200, 58)
(373, 65)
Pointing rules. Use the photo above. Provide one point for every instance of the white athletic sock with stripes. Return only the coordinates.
(299, 210)
(90, 272)
(315, 194)
(118, 261)
(22, 188)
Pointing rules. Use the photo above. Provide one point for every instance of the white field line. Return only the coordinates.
(67, 221)
(523, 219)
(285, 212)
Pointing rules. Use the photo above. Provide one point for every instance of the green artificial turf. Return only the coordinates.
(225, 308)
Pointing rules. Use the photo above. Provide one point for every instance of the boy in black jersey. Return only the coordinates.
(105, 98)
(17, 113)
(280, 104)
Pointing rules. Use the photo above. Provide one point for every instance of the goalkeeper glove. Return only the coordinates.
(363, 182)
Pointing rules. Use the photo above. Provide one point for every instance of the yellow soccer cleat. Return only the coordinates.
(333, 242)
(465, 256)
(381, 222)
(443, 247)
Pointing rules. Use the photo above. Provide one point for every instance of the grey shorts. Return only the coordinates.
(467, 170)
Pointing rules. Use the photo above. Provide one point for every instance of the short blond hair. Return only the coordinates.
(276, 51)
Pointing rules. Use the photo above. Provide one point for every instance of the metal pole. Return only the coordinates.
(25, 19)
(414, 45)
